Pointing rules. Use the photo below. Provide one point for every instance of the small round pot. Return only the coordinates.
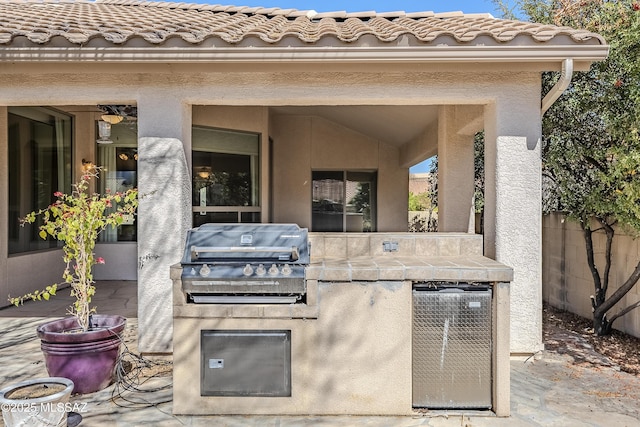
(47, 410)
(87, 358)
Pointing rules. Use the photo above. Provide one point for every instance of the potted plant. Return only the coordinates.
(37, 402)
(83, 347)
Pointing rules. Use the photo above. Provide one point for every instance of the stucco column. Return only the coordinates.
(457, 126)
(164, 214)
(513, 207)
(4, 213)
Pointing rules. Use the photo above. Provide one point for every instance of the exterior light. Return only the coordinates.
(104, 131)
(87, 165)
(204, 172)
(112, 118)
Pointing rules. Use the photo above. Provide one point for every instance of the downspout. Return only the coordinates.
(560, 86)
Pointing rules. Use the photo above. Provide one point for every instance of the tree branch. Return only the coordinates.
(624, 311)
(609, 231)
(620, 292)
(599, 298)
(595, 163)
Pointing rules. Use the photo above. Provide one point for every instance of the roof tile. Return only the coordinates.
(117, 21)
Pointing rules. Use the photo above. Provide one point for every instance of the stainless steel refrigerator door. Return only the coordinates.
(452, 349)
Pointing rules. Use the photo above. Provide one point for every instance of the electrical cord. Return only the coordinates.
(131, 382)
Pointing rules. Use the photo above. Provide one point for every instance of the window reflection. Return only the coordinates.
(330, 191)
(225, 176)
(119, 163)
(39, 149)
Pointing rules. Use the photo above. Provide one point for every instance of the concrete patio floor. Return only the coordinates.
(546, 390)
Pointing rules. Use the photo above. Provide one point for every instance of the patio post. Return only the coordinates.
(513, 207)
(457, 125)
(164, 214)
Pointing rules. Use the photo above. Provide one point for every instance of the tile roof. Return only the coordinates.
(120, 21)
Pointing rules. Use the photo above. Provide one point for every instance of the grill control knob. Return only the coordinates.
(205, 270)
(273, 270)
(247, 270)
(261, 271)
(286, 270)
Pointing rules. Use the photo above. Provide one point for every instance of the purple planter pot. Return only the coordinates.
(86, 358)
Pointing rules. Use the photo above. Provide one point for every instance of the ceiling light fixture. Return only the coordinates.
(115, 113)
(112, 118)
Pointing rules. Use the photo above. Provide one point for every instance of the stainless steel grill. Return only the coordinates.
(245, 263)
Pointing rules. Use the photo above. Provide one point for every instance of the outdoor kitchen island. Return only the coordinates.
(347, 345)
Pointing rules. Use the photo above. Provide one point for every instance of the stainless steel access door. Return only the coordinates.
(245, 363)
(451, 348)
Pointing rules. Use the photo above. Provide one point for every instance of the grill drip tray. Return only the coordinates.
(236, 286)
(243, 299)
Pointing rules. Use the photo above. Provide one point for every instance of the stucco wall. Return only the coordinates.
(323, 350)
(305, 143)
(567, 281)
(121, 261)
(28, 272)
(509, 92)
(513, 211)
(292, 169)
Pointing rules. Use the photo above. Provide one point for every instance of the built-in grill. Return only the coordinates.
(245, 263)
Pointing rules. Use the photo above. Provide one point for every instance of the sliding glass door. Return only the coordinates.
(344, 201)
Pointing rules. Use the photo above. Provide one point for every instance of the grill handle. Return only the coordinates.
(196, 251)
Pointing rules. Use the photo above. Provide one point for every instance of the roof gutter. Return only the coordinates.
(560, 86)
(272, 54)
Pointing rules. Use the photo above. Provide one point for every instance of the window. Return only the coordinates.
(343, 201)
(225, 176)
(119, 163)
(39, 165)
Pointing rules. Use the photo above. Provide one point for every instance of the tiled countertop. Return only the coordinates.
(447, 268)
(374, 270)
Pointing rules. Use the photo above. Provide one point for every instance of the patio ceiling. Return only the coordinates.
(393, 124)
